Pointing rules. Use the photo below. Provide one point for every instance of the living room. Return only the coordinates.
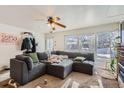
(54, 46)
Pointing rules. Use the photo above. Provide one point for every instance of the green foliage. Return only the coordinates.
(113, 63)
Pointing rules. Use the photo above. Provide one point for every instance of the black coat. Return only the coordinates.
(26, 44)
(33, 45)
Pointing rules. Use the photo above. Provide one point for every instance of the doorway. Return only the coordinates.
(106, 49)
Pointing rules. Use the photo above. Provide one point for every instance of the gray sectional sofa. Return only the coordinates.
(84, 67)
(23, 70)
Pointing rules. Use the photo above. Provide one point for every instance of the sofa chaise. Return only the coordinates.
(84, 67)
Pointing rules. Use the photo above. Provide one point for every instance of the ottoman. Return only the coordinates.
(61, 69)
(83, 67)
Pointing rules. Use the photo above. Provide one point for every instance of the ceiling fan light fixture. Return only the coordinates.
(49, 24)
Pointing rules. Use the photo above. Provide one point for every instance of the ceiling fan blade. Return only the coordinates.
(56, 19)
(59, 24)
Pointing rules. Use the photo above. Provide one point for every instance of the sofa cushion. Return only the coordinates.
(26, 59)
(88, 62)
(54, 52)
(38, 70)
(72, 55)
(34, 57)
(64, 63)
(61, 52)
(83, 67)
(42, 56)
(61, 69)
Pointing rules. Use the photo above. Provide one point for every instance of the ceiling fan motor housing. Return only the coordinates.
(50, 20)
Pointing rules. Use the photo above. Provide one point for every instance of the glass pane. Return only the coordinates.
(86, 43)
(50, 44)
(71, 43)
(103, 43)
(115, 38)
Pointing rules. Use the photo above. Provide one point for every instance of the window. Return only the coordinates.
(49, 44)
(83, 43)
(71, 43)
(86, 43)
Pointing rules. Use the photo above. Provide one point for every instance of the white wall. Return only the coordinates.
(40, 39)
(59, 36)
(8, 51)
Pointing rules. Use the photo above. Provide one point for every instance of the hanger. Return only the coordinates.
(27, 34)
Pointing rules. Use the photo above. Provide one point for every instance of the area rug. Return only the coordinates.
(74, 84)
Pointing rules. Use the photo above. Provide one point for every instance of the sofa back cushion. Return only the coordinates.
(42, 55)
(88, 56)
(27, 60)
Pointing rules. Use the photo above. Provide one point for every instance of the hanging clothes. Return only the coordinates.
(26, 44)
(33, 45)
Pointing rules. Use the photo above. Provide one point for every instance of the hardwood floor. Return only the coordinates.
(4, 75)
(81, 79)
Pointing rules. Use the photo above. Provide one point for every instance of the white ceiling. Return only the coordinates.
(72, 16)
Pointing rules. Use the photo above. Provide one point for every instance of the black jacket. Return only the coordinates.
(26, 44)
(29, 44)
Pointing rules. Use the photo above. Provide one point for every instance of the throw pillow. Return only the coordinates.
(34, 57)
(79, 59)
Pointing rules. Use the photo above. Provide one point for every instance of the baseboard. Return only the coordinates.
(4, 68)
(1, 68)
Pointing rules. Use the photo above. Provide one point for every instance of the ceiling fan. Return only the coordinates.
(52, 21)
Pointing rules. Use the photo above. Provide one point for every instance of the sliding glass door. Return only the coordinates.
(106, 48)
(101, 44)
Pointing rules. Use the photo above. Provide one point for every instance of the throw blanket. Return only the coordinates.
(56, 58)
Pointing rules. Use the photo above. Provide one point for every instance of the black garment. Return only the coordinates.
(33, 45)
(26, 44)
